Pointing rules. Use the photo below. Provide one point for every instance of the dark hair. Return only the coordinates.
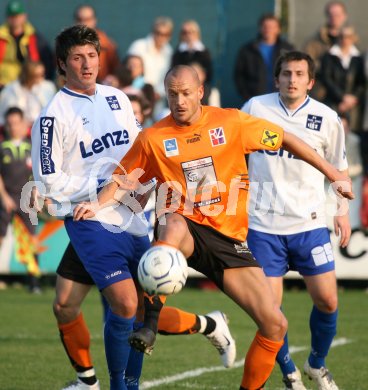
(12, 111)
(124, 75)
(295, 56)
(77, 35)
(145, 104)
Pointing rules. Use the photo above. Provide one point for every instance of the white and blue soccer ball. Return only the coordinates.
(162, 270)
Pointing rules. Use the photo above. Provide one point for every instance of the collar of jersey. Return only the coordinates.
(288, 113)
(75, 94)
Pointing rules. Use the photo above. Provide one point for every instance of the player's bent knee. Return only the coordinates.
(275, 328)
(126, 307)
(281, 326)
(327, 305)
(64, 312)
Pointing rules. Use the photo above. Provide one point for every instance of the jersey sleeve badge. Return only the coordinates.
(270, 138)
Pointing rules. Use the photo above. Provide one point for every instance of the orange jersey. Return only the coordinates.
(201, 169)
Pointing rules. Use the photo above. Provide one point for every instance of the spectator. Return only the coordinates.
(256, 59)
(156, 52)
(192, 49)
(326, 36)
(109, 58)
(19, 41)
(15, 171)
(342, 74)
(136, 67)
(30, 92)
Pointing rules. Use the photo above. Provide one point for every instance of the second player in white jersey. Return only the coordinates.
(276, 176)
(73, 155)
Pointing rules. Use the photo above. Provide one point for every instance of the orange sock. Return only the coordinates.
(259, 362)
(175, 321)
(162, 298)
(76, 340)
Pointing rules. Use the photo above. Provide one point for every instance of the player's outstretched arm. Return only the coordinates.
(341, 181)
(107, 197)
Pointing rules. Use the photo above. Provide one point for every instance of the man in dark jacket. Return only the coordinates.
(254, 65)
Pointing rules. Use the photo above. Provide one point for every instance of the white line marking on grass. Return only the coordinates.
(203, 370)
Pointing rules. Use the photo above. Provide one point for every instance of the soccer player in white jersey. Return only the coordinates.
(87, 127)
(287, 221)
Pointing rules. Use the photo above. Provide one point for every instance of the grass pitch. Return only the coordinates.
(32, 357)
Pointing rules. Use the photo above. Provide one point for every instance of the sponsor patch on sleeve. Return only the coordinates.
(47, 132)
(270, 138)
(113, 102)
(314, 122)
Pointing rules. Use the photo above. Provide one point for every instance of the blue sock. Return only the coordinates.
(117, 349)
(323, 330)
(283, 358)
(135, 363)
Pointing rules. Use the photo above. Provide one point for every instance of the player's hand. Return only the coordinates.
(342, 186)
(85, 210)
(342, 228)
(36, 201)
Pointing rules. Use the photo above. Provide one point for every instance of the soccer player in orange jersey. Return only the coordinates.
(196, 155)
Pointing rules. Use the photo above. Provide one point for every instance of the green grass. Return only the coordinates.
(32, 357)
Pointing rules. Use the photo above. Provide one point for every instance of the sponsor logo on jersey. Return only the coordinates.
(314, 122)
(281, 153)
(270, 138)
(195, 138)
(113, 102)
(193, 177)
(171, 147)
(47, 132)
(217, 136)
(98, 145)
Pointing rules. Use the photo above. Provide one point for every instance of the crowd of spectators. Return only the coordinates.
(28, 71)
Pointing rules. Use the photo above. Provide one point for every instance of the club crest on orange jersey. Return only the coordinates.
(270, 138)
(217, 136)
(171, 147)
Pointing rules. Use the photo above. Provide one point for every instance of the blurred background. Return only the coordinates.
(222, 27)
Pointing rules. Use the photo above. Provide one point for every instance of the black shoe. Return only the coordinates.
(143, 340)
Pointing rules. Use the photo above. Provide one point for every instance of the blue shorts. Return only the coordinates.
(108, 257)
(309, 253)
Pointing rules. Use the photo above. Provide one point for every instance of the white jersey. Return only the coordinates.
(287, 195)
(77, 142)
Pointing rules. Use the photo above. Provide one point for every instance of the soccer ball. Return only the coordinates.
(162, 270)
